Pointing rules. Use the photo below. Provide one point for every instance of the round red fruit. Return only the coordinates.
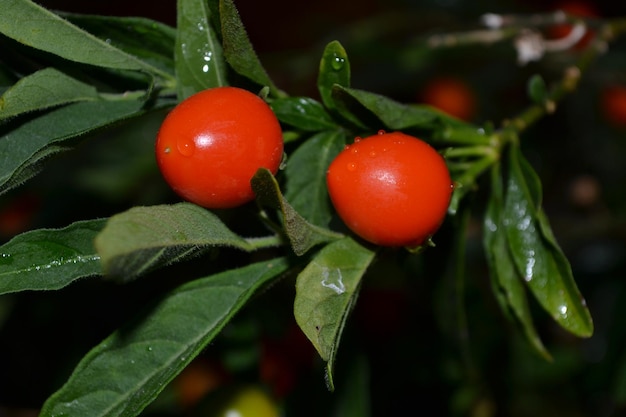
(210, 146)
(391, 189)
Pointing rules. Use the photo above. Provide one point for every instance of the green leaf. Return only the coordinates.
(301, 234)
(326, 291)
(537, 89)
(537, 257)
(126, 372)
(306, 176)
(302, 113)
(146, 238)
(199, 58)
(34, 26)
(508, 285)
(49, 259)
(41, 90)
(151, 41)
(334, 70)
(239, 51)
(393, 114)
(24, 149)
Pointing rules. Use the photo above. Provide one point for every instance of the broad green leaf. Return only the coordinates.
(238, 50)
(334, 70)
(537, 257)
(49, 259)
(150, 41)
(302, 113)
(44, 89)
(393, 114)
(301, 234)
(507, 284)
(126, 372)
(326, 292)
(34, 26)
(145, 238)
(199, 58)
(24, 149)
(306, 176)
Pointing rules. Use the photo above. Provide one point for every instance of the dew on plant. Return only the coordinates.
(186, 146)
(338, 62)
(351, 166)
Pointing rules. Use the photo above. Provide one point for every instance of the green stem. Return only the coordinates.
(265, 242)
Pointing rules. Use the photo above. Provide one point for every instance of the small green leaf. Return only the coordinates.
(326, 291)
(44, 89)
(198, 54)
(24, 149)
(50, 259)
(239, 51)
(306, 176)
(126, 372)
(334, 70)
(393, 114)
(301, 234)
(302, 113)
(34, 26)
(537, 89)
(145, 238)
(508, 286)
(537, 257)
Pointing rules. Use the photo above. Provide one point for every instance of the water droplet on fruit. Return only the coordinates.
(351, 166)
(372, 154)
(354, 150)
(167, 150)
(381, 132)
(346, 147)
(357, 139)
(185, 146)
(338, 62)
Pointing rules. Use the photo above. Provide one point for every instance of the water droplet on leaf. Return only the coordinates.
(338, 62)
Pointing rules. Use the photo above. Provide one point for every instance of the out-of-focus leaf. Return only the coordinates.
(126, 372)
(199, 57)
(537, 89)
(49, 259)
(145, 238)
(239, 51)
(39, 28)
(302, 113)
(355, 399)
(334, 70)
(507, 284)
(44, 89)
(326, 291)
(536, 254)
(24, 149)
(301, 234)
(306, 176)
(151, 41)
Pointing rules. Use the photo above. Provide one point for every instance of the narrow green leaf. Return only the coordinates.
(150, 41)
(355, 389)
(542, 264)
(34, 26)
(306, 176)
(24, 149)
(44, 89)
(301, 234)
(127, 371)
(393, 114)
(238, 50)
(49, 259)
(508, 286)
(145, 238)
(199, 58)
(302, 113)
(334, 70)
(326, 291)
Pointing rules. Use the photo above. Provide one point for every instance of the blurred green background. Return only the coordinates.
(403, 342)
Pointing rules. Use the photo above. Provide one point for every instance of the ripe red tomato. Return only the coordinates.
(580, 8)
(211, 145)
(391, 189)
(450, 95)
